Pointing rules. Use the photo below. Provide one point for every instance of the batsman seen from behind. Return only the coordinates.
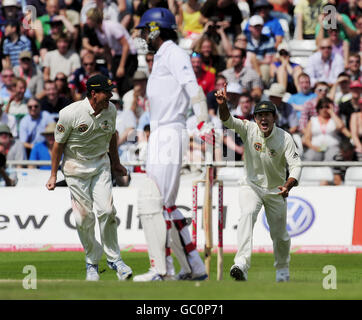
(85, 133)
(267, 152)
(171, 88)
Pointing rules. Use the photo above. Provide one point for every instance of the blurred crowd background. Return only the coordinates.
(303, 55)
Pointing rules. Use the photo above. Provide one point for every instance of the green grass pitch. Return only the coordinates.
(60, 275)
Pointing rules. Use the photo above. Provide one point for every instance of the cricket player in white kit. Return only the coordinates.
(85, 133)
(171, 87)
(267, 152)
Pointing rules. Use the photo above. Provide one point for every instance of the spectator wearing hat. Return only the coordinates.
(31, 72)
(136, 99)
(272, 26)
(14, 43)
(63, 59)
(287, 116)
(78, 79)
(8, 119)
(262, 46)
(13, 149)
(11, 10)
(233, 93)
(205, 79)
(340, 91)
(284, 71)
(42, 150)
(356, 129)
(348, 108)
(324, 65)
(304, 93)
(33, 124)
(247, 77)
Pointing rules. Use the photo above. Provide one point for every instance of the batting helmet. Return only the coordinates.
(162, 17)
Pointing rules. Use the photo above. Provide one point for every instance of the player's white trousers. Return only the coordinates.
(251, 200)
(92, 198)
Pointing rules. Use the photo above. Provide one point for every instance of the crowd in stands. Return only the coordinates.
(49, 48)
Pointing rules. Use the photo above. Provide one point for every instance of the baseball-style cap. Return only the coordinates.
(234, 87)
(50, 128)
(262, 4)
(256, 20)
(5, 129)
(100, 82)
(355, 84)
(11, 3)
(25, 54)
(265, 106)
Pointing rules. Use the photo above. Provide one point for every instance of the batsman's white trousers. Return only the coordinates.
(251, 199)
(91, 193)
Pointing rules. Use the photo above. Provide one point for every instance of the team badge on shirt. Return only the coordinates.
(105, 126)
(60, 128)
(257, 146)
(83, 128)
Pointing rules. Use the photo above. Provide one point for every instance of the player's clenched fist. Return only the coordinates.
(51, 183)
(221, 95)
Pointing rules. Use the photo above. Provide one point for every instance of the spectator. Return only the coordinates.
(356, 42)
(42, 150)
(11, 10)
(78, 79)
(211, 59)
(205, 79)
(346, 153)
(32, 74)
(14, 43)
(49, 42)
(354, 67)
(351, 8)
(244, 110)
(284, 71)
(4, 175)
(321, 90)
(347, 108)
(225, 12)
(52, 102)
(322, 133)
(345, 28)
(40, 6)
(306, 13)
(212, 105)
(136, 99)
(233, 94)
(262, 46)
(340, 91)
(149, 60)
(324, 65)
(8, 120)
(33, 124)
(305, 93)
(356, 130)
(61, 60)
(16, 105)
(12, 148)
(61, 82)
(287, 116)
(245, 76)
(272, 26)
(188, 22)
(7, 87)
(121, 54)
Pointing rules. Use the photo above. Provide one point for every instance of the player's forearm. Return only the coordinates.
(113, 151)
(57, 153)
(224, 111)
(290, 183)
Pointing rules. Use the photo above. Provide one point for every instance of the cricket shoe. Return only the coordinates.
(191, 276)
(151, 275)
(238, 273)
(282, 275)
(92, 272)
(124, 272)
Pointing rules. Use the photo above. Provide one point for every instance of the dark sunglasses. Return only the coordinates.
(33, 106)
(61, 79)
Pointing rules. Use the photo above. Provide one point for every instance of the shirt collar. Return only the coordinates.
(163, 47)
(88, 106)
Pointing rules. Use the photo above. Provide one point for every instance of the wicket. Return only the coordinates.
(207, 215)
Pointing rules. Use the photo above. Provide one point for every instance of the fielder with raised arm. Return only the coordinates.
(85, 133)
(267, 152)
(171, 87)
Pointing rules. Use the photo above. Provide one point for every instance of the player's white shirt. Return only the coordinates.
(165, 87)
(266, 158)
(86, 136)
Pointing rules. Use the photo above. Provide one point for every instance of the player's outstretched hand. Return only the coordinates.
(284, 192)
(220, 95)
(51, 183)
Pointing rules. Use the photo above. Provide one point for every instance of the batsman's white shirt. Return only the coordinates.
(266, 158)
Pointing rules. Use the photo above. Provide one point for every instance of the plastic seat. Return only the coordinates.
(353, 176)
(312, 176)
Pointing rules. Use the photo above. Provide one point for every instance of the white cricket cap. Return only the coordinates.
(256, 20)
(234, 87)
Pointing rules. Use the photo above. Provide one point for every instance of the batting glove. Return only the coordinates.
(207, 132)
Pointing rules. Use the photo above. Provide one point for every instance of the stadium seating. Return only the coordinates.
(301, 50)
(231, 175)
(353, 177)
(312, 176)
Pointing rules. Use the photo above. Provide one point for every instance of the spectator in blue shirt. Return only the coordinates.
(305, 93)
(262, 46)
(42, 150)
(14, 43)
(272, 26)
